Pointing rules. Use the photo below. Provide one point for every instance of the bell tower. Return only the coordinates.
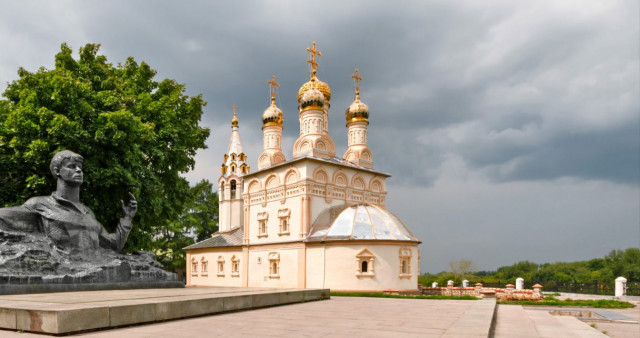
(357, 116)
(231, 184)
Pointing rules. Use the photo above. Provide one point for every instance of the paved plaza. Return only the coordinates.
(372, 317)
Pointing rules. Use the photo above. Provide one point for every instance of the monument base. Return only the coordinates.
(31, 263)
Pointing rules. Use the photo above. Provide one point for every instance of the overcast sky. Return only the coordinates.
(511, 128)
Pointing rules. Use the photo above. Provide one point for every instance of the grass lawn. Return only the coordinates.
(551, 301)
(384, 295)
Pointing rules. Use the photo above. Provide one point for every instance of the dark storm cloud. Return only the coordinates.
(498, 92)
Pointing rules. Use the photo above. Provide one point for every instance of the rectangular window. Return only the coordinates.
(274, 265)
(405, 263)
(235, 266)
(283, 215)
(220, 266)
(263, 217)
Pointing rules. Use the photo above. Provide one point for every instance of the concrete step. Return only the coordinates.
(68, 312)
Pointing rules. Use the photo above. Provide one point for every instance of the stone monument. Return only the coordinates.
(55, 243)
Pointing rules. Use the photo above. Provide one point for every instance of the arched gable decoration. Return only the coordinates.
(340, 179)
(320, 175)
(272, 181)
(291, 176)
(375, 185)
(254, 186)
(357, 182)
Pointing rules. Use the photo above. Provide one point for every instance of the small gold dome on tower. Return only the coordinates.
(358, 110)
(317, 84)
(314, 83)
(234, 120)
(312, 99)
(272, 116)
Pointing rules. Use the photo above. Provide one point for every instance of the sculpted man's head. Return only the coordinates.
(67, 166)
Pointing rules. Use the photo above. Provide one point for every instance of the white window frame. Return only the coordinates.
(235, 266)
(220, 266)
(194, 267)
(404, 257)
(263, 230)
(274, 261)
(365, 256)
(285, 225)
(205, 269)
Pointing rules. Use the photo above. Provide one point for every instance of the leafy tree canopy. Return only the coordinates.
(617, 263)
(198, 221)
(136, 134)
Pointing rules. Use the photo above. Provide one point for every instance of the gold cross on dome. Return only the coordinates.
(356, 77)
(273, 84)
(234, 109)
(312, 60)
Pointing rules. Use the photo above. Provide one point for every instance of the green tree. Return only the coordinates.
(136, 134)
(462, 269)
(624, 263)
(198, 221)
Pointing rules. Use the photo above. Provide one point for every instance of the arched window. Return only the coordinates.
(405, 262)
(233, 189)
(220, 266)
(235, 266)
(205, 267)
(274, 265)
(222, 191)
(365, 260)
(283, 215)
(194, 266)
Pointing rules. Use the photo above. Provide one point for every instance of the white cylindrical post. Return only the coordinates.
(450, 282)
(621, 286)
(519, 283)
(434, 284)
(465, 283)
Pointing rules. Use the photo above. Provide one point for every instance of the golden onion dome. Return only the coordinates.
(357, 111)
(234, 121)
(312, 98)
(272, 116)
(317, 84)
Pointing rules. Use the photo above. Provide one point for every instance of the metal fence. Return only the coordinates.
(592, 288)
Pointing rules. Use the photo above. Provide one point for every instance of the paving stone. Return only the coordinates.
(8, 318)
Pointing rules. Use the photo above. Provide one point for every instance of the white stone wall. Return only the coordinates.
(289, 261)
(339, 267)
(212, 277)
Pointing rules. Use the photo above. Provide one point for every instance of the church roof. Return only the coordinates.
(333, 160)
(359, 222)
(235, 146)
(232, 237)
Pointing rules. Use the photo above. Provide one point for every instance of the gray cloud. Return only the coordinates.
(488, 94)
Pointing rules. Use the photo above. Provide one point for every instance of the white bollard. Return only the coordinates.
(519, 283)
(621, 286)
(465, 283)
(434, 284)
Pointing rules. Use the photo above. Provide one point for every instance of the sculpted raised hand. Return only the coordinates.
(130, 209)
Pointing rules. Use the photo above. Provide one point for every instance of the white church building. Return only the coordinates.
(311, 221)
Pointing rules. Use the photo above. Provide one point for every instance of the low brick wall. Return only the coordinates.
(508, 293)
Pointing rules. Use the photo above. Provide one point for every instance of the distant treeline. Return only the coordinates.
(617, 263)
